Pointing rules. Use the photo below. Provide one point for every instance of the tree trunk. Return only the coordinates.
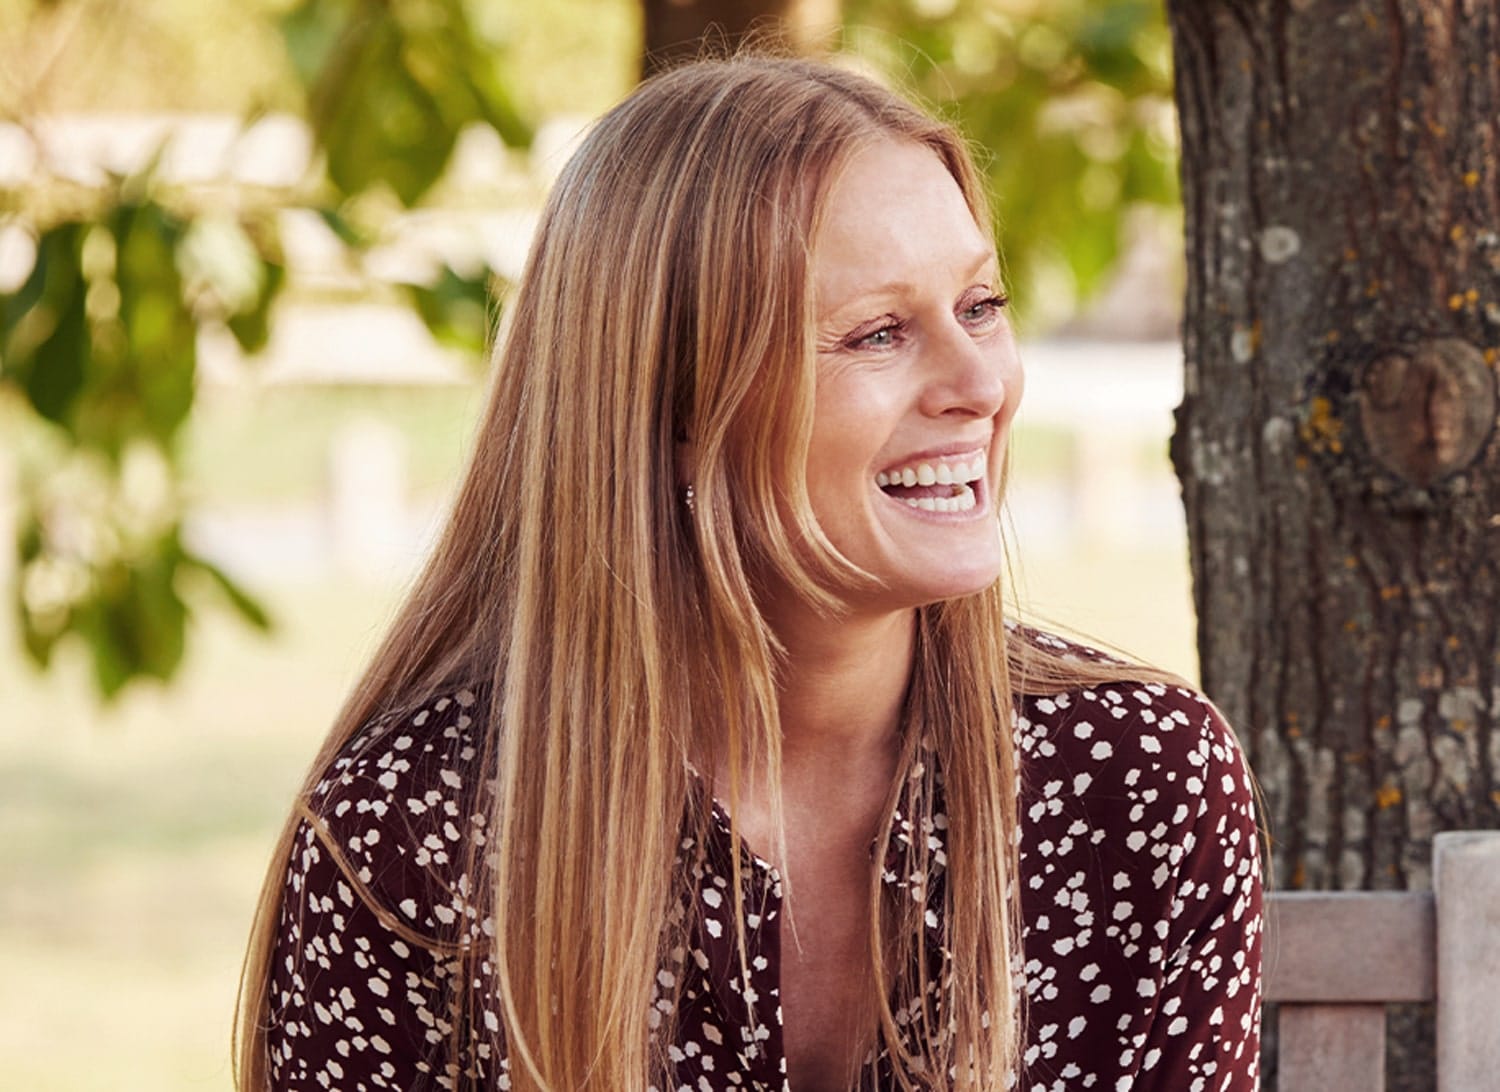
(679, 30)
(1337, 439)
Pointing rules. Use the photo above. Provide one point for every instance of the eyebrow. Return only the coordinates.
(907, 288)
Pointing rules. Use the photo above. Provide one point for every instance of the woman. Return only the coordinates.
(694, 759)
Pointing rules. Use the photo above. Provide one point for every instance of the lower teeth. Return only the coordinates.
(959, 502)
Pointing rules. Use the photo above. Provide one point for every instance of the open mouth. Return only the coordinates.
(937, 485)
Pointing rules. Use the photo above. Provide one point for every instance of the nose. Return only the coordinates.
(971, 377)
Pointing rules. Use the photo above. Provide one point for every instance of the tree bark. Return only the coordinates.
(1337, 441)
(680, 30)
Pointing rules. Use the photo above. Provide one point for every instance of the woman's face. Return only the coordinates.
(918, 379)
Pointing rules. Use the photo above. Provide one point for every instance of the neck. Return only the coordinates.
(841, 689)
(843, 685)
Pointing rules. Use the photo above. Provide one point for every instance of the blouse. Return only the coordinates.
(1140, 898)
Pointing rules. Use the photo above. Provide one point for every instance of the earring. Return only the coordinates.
(687, 498)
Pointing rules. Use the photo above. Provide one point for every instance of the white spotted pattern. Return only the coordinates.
(1140, 898)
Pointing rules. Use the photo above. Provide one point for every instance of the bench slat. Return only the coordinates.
(1468, 1009)
(1350, 946)
(1331, 1048)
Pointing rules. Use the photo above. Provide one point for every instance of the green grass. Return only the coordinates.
(136, 837)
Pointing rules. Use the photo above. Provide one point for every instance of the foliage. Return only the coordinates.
(391, 85)
(230, 56)
(101, 341)
(1069, 102)
(98, 342)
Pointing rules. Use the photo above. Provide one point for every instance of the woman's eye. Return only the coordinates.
(985, 310)
(883, 338)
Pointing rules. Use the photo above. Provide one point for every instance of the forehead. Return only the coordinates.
(893, 215)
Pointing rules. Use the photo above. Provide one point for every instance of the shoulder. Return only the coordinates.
(1139, 789)
(1124, 737)
(403, 803)
(1128, 728)
(376, 911)
(392, 745)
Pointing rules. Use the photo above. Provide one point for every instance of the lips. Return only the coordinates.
(940, 484)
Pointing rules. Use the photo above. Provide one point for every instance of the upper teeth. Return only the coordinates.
(928, 474)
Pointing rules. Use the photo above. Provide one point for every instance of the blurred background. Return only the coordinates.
(250, 252)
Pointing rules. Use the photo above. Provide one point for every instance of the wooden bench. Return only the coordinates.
(1333, 960)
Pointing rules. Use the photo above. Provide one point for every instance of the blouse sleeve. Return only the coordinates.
(373, 920)
(1141, 895)
(1204, 1032)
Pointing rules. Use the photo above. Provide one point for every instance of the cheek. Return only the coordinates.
(838, 466)
(855, 415)
(851, 427)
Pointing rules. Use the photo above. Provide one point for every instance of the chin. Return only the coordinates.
(941, 578)
(960, 591)
(956, 585)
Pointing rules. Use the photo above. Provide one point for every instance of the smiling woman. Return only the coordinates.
(917, 378)
(702, 755)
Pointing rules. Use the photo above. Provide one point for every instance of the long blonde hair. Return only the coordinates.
(619, 636)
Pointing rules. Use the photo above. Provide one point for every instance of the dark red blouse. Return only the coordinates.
(1141, 902)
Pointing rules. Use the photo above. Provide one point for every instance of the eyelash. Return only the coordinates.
(863, 341)
(991, 305)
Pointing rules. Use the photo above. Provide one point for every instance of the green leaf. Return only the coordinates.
(14, 305)
(46, 346)
(136, 626)
(348, 233)
(252, 328)
(379, 125)
(160, 359)
(234, 271)
(456, 309)
(155, 615)
(242, 601)
(109, 659)
(391, 85)
(497, 106)
(311, 33)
